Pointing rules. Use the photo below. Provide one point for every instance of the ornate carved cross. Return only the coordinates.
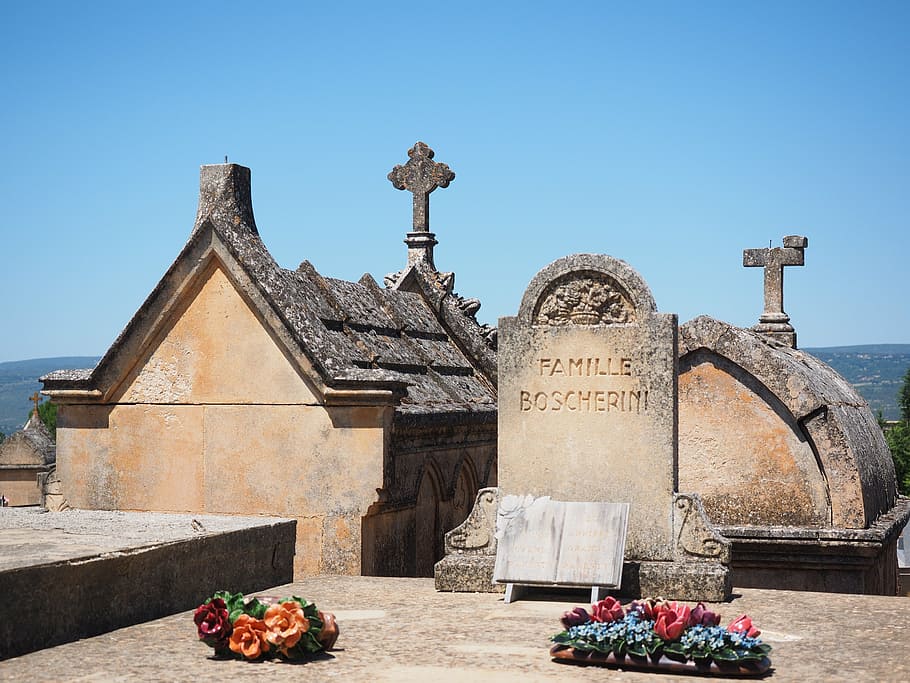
(773, 320)
(36, 399)
(421, 175)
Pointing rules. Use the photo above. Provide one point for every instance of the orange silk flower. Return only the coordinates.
(249, 637)
(285, 625)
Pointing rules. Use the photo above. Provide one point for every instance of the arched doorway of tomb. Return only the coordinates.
(427, 533)
(465, 492)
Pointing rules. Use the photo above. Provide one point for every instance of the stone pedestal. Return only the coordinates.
(699, 569)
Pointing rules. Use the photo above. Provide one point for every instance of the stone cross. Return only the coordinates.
(773, 321)
(421, 175)
(36, 399)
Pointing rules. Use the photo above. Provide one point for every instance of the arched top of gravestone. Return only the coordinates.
(586, 289)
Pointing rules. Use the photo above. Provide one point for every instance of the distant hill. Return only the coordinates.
(876, 370)
(19, 380)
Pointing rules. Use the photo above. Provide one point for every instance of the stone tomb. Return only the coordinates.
(26, 457)
(588, 412)
(366, 413)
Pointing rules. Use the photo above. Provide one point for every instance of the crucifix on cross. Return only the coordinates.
(773, 320)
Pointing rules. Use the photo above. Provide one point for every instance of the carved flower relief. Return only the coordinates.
(584, 301)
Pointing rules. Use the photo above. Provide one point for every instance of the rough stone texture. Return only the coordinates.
(401, 630)
(805, 469)
(25, 456)
(420, 176)
(97, 571)
(692, 581)
(243, 387)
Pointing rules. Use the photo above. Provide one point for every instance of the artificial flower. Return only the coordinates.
(285, 624)
(249, 637)
(743, 624)
(575, 617)
(648, 607)
(701, 615)
(607, 610)
(672, 619)
(213, 624)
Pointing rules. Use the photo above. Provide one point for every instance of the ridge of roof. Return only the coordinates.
(353, 333)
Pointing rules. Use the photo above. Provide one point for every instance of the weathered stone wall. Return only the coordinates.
(20, 485)
(215, 419)
(761, 472)
(23, 457)
(436, 465)
(789, 461)
(772, 429)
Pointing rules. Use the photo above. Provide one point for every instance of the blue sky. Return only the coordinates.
(671, 135)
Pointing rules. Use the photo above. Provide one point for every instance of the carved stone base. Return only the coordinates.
(689, 581)
(467, 574)
(780, 330)
(700, 570)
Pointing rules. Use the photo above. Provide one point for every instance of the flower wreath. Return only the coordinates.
(655, 627)
(258, 628)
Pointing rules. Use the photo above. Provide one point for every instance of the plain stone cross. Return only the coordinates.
(421, 175)
(773, 319)
(36, 399)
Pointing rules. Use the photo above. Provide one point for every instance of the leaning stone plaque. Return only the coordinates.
(543, 542)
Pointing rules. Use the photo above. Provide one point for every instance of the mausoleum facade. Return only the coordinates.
(366, 413)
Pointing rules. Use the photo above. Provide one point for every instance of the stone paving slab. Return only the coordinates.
(403, 630)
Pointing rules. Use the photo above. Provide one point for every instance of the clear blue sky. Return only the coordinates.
(672, 135)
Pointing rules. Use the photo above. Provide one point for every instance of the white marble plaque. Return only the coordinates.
(548, 542)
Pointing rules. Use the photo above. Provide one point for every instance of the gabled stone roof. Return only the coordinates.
(30, 446)
(419, 342)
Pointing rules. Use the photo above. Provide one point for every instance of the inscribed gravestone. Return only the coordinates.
(587, 396)
(588, 412)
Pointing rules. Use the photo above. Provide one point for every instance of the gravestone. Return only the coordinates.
(588, 412)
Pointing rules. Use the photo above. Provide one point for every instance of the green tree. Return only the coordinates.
(2, 437)
(47, 411)
(903, 398)
(898, 438)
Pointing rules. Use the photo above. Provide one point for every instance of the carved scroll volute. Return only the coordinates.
(477, 534)
(696, 537)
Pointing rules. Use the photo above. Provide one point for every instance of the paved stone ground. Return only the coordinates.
(403, 630)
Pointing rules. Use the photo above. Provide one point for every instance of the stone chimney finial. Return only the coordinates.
(773, 321)
(420, 176)
(224, 195)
